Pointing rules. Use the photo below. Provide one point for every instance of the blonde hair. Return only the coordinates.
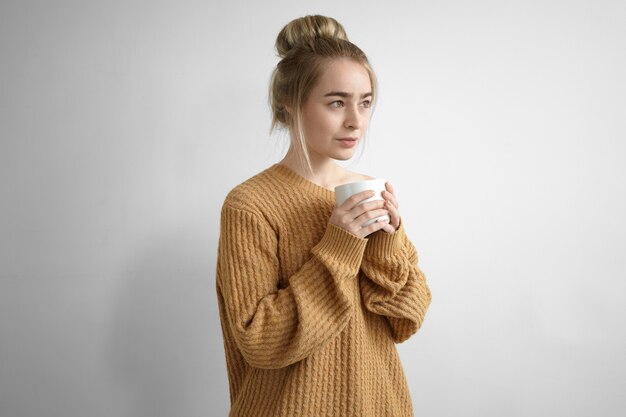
(305, 45)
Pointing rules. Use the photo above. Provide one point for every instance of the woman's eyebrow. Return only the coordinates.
(344, 94)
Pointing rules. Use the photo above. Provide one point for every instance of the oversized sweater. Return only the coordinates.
(311, 313)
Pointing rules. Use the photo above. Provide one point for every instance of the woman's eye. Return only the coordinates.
(367, 104)
(336, 104)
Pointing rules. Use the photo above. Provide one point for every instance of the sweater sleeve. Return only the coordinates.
(392, 285)
(275, 327)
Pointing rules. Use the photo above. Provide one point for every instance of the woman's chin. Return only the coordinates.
(344, 156)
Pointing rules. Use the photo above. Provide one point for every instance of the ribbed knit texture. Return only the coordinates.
(311, 313)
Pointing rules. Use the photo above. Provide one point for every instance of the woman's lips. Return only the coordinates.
(348, 142)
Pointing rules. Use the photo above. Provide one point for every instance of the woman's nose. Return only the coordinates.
(353, 118)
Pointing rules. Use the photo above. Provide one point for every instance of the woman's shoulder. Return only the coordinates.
(252, 193)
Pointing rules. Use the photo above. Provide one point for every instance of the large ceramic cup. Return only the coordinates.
(345, 191)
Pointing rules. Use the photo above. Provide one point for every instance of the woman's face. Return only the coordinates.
(337, 112)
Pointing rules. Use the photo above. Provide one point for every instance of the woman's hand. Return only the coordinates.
(351, 215)
(391, 204)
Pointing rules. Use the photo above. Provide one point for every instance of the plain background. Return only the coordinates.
(125, 123)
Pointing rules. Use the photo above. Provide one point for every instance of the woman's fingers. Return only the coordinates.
(370, 214)
(391, 204)
(394, 215)
(355, 212)
(375, 226)
(388, 228)
(354, 200)
(365, 207)
(389, 194)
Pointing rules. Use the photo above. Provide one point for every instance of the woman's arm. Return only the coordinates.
(392, 285)
(273, 327)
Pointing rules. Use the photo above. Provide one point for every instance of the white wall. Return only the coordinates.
(123, 125)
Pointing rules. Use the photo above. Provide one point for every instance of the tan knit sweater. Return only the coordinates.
(311, 313)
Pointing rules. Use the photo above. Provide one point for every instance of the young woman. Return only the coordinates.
(311, 303)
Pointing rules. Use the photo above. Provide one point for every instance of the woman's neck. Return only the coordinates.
(326, 172)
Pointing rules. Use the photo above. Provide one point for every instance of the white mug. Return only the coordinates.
(345, 191)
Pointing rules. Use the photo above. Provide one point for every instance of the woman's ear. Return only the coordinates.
(289, 110)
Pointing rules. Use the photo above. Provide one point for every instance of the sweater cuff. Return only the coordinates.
(342, 246)
(382, 245)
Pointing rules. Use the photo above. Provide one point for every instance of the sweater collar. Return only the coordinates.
(290, 176)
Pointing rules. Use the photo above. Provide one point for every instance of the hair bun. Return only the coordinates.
(305, 30)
